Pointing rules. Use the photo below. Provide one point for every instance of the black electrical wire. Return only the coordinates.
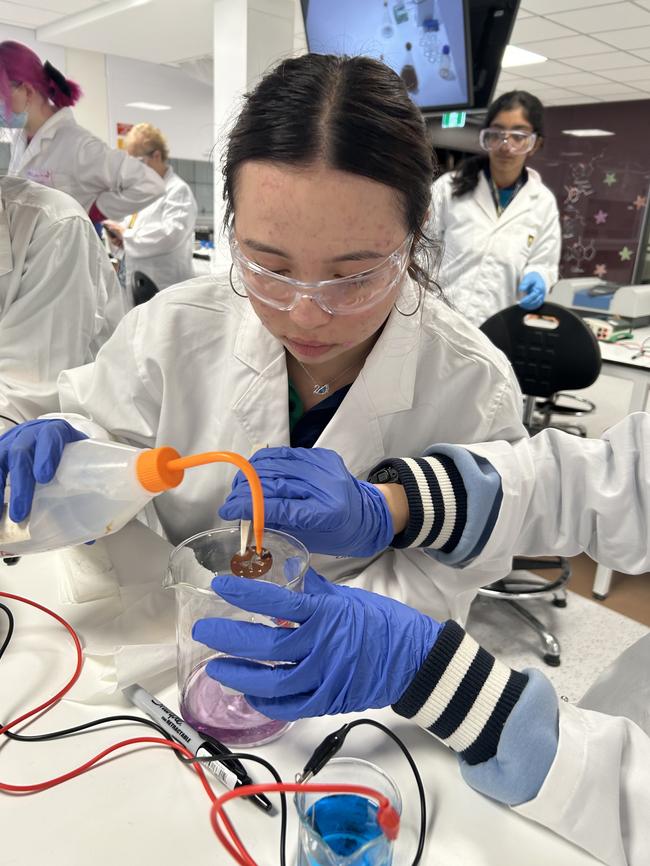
(416, 774)
(10, 629)
(243, 756)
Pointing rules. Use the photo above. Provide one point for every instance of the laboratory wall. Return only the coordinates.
(601, 185)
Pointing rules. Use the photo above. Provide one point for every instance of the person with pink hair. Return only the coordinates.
(49, 147)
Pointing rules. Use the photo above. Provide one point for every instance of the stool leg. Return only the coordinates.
(550, 643)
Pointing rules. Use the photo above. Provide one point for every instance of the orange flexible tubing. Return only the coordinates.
(251, 476)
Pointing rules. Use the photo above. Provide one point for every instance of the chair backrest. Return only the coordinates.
(550, 350)
(144, 288)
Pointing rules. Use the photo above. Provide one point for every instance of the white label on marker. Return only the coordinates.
(222, 773)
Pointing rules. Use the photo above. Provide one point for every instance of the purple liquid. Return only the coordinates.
(226, 717)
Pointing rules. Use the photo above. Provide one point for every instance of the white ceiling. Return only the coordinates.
(598, 51)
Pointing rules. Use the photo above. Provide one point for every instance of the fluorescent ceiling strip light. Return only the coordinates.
(88, 16)
(586, 133)
(148, 106)
(514, 56)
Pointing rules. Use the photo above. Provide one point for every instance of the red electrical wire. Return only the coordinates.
(77, 671)
(387, 816)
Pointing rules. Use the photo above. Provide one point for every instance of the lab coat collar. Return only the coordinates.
(6, 256)
(524, 200)
(47, 131)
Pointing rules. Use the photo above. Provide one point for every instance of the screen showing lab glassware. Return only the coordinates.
(424, 41)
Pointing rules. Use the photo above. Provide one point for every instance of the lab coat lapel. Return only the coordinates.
(483, 198)
(524, 200)
(45, 133)
(6, 256)
(385, 386)
(261, 388)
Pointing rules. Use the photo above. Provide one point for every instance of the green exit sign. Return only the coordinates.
(453, 119)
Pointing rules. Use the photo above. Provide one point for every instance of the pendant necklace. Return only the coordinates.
(322, 390)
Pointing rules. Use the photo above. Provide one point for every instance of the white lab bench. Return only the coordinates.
(145, 807)
(621, 362)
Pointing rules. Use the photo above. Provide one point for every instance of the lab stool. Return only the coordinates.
(527, 586)
(551, 351)
(571, 406)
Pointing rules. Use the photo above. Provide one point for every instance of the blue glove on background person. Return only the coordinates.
(310, 493)
(31, 453)
(353, 650)
(533, 289)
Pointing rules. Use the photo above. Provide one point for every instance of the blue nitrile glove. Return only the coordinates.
(310, 493)
(533, 289)
(31, 452)
(353, 650)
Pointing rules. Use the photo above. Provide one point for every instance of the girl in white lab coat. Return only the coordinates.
(499, 223)
(49, 147)
(582, 771)
(328, 329)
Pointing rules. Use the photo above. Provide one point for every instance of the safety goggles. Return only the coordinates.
(517, 140)
(339, 296)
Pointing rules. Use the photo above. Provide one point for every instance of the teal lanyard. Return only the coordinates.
(496, 194)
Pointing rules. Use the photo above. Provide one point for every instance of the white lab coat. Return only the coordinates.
(67, 157)
(563, 495)
(159, 240)
(59, 296)
(195, 369)
(485, 255)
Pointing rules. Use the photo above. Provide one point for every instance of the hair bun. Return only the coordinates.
(57, 78)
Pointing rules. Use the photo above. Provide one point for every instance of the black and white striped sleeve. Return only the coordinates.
(436, 496)
(462, 695)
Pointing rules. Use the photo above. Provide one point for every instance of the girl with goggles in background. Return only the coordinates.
(499, 223)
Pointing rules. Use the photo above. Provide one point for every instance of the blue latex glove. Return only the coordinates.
(533, 289)
(30, 453)
(310, 493)
(352, 650)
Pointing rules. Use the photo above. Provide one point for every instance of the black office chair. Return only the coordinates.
(551, 350)
(143, 288)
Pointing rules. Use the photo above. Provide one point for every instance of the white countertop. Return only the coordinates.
(147, 808)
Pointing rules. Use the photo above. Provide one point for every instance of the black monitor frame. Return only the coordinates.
(437, 109)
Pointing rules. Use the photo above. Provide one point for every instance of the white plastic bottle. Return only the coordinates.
(445, 69)
(98, 487)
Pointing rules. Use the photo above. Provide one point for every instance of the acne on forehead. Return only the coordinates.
(282, 204)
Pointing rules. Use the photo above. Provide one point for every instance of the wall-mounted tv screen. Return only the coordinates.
(425, 41)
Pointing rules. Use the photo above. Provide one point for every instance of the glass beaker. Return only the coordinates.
(342, 829)
(205, 704)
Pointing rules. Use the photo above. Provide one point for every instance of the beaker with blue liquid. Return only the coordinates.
(342, 829)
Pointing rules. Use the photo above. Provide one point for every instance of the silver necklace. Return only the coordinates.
(321, 390)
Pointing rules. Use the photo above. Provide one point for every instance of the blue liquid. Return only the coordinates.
(347, 822)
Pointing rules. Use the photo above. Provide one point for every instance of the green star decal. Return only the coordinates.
(610, 178)
(625, 254)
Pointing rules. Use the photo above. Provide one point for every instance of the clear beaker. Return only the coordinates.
(342, 829)
(205, 704)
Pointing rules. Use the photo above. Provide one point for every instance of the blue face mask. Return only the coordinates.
(12, 119)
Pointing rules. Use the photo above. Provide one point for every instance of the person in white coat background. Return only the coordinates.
(583, 771)
(49, 147)
(329, 331)
(59, 297)
(158, 240)
(499, 224)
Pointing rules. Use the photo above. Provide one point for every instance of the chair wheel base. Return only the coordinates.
(553, 661)
(11, 560)
(600, 596)
(559, 602)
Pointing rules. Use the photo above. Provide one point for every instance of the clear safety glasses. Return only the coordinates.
(339, 296)
(518, 141)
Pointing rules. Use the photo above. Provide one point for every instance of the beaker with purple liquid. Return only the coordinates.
(205, 704)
